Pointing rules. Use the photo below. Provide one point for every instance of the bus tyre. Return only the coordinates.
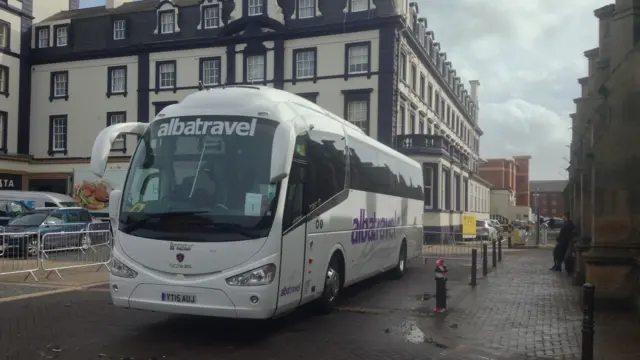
(401, 267)
(332, 286)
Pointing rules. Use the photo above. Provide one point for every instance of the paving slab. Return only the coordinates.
(524, 309)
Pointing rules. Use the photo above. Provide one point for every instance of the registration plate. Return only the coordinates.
(178, 298)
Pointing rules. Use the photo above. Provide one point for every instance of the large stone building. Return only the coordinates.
(603, 191)
(374, 62)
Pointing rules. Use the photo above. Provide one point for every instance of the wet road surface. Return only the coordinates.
(519, 311)
(380, 319)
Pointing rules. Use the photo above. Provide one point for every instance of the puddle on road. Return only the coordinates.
(411, 332)
(424, 297)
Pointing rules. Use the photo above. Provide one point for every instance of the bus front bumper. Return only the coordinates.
(242, 303)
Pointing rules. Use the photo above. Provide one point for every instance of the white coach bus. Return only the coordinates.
(247, 202)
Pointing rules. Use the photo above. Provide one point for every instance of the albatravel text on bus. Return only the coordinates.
(176, 127)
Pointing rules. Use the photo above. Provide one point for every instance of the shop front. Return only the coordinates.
(12, 181)
(51, 182)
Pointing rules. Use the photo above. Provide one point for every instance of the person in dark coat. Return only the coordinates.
(563, 241)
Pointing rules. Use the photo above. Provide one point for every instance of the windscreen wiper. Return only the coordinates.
(146, 217)
(242, 230)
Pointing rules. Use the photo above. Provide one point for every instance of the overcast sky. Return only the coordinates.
(528, 55)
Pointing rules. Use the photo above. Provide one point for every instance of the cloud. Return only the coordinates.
(528, 56)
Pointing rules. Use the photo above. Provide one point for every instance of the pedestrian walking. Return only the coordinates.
(562, 242)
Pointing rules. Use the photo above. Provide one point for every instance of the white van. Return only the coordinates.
(36, 199)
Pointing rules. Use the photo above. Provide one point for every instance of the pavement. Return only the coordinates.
(520, 310)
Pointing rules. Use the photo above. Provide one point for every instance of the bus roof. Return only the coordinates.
(246, 100)
(264, 101)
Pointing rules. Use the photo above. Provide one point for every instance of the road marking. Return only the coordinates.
(51, 292)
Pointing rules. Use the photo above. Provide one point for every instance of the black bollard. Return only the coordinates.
(474, 267)
(500, 251)
(494, 254)
(441, 286)
(484, 260)
(588, 293)
(509, 242)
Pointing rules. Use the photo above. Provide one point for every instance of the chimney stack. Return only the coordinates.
(474, 91)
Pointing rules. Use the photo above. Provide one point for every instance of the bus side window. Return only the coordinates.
(294, 204)
(327, 167)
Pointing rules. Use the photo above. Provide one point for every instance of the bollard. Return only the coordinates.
(500, 251)
(509, 242)
(494, 254)
(588, 293)
(441, 286)
(474, 267)
(484, 260)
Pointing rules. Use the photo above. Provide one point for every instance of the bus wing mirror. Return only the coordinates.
(102, 146)
(114, 204)
(282, 152)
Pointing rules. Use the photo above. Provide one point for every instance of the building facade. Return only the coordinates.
(437, 124)
(373, 62)
(16, 20)
(548, 197)
(603, 185)
(501, 173)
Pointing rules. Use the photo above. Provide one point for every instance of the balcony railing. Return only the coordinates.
(431, 145)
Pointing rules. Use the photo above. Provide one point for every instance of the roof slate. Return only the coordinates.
(128, 7)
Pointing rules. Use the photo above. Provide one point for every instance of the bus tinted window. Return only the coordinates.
(326, 164)
(373, 170)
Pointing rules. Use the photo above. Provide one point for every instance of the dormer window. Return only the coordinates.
(42, 37)
(358, 5)
(211, 16)
(256, 7)
(167, 22)
(62, 35)
(119, 28)
(306, 9)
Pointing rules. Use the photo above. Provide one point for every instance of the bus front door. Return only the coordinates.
(294, 226)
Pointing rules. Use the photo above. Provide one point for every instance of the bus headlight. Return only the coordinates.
(263, 275)
(121, 270)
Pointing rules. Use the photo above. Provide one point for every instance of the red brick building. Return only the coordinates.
(550, 197)
(501, 173)
(523, 193)
(510, 174)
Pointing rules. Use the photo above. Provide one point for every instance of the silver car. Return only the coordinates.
(485, 230)
(497, 226)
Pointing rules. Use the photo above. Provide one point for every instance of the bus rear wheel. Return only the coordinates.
(332, 287)
(401, 267)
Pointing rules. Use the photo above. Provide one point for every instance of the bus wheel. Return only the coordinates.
(401, 267)
(332, 286)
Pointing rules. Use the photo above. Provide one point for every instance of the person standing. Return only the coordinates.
(562, 242)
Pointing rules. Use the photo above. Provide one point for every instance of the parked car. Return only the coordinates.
(485, 230)
(35, 199)
(11, 209)
(556, 224)
(21, 234)
(496, 224)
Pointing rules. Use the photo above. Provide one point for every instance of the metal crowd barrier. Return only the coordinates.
(451, 245)
(52, 252)
(20, 253)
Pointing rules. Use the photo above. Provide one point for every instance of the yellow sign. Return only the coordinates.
(468, 225)
(137, 208)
